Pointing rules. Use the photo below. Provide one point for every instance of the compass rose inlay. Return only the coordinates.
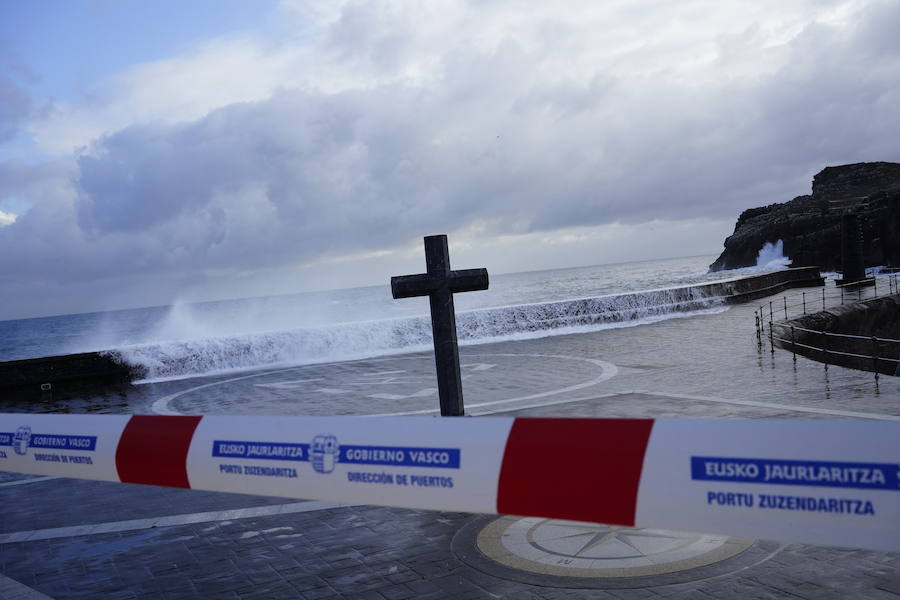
(589, 540)
(575, 549)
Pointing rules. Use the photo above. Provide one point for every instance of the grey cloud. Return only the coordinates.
(15, 104)
(370, 168)
(370, 34)
(15, 108)
(309, 174)
(330, 173)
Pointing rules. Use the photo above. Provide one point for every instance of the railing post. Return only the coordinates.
(793, 345)
(770, 311)
(785, 306)
(875, 283)
(758, 332)
(842, 296)
(875, 357)
(804, 303)
(771, 338)
(823, 297)
(825, 348)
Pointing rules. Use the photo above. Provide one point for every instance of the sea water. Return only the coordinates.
(185, 340)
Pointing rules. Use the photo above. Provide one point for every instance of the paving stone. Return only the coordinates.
(635, 594)
(370, 595)
(695, 594)
(402, 576)
(891, 585)
(319, 593)
(273, 589)
(397, 592)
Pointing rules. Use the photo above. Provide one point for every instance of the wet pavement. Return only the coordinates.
(63, 538)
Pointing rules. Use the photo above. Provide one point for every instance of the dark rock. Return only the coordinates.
(810, 226)
(856, 180)
(852, 245)
(890, 232)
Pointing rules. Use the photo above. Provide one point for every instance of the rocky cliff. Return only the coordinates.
(810, 226)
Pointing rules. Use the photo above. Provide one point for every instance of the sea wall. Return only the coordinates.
(54, 372)
(745, 289)
(194, 357)
(876, 317)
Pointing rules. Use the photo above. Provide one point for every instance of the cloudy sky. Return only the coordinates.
(153, 151)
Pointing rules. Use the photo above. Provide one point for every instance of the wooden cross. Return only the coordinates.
(439, 283)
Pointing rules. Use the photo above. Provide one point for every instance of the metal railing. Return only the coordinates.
(878, 358)
(806, 302)
(870, 353)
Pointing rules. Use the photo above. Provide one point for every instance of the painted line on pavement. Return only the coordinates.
(24, 481)
(609, 371)
(186, 519)
(162, 406)
(780, 407)
(755, 404)
(508, 409)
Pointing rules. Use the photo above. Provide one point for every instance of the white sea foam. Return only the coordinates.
(345, 341)
(771, 256)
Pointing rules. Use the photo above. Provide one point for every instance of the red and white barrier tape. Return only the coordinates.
(824, 481)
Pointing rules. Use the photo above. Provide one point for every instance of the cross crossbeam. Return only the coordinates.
(439, 283)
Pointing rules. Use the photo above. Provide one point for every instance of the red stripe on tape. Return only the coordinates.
(153, 450)
(577, 469)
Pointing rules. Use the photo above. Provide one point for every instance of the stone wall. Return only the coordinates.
(877, 317)
(745, 289)
(65, 372)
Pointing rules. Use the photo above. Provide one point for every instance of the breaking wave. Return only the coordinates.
(771, 256)
(346, 341)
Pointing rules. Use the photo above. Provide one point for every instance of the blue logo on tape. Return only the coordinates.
(24, 438)
(21, 440)
(325, 453)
